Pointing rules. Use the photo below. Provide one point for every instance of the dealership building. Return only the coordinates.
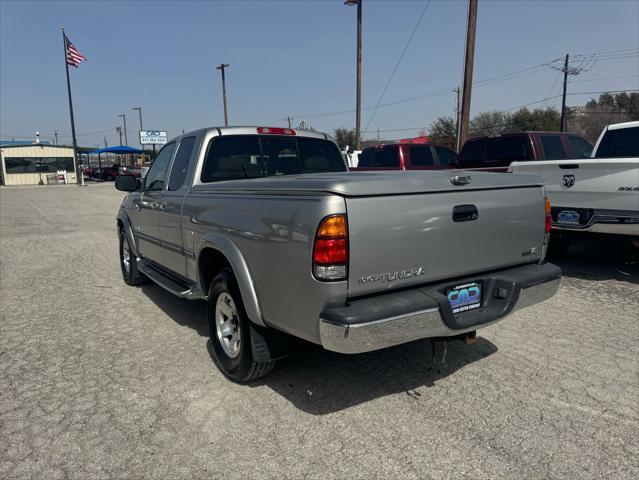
(36, 163)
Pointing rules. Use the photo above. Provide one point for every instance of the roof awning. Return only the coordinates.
(122, 150)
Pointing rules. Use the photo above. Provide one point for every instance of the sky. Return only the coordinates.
(296, 58)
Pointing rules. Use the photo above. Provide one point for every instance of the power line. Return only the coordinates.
(399, 61)
(514, 108)
(433, 93)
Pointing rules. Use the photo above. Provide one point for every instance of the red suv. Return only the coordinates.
(495, 153)
(409, 154)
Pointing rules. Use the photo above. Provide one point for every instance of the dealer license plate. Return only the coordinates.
(464, 297)
(568, 216)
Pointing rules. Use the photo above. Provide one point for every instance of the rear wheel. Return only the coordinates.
(230, 331)
(128, 263)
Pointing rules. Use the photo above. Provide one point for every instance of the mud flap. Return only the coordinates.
(268, 344)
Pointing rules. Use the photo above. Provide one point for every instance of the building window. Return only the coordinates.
(38, 164)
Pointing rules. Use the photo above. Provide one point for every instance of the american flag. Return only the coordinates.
(73, 56)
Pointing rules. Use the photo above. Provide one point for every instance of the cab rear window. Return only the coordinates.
(233, 157)
(622, 142)
(495, 152)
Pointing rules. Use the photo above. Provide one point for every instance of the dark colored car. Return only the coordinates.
(495, 153)
(104, 173)
(406, 156)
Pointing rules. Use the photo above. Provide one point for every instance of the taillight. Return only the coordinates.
(548, 217)
(330, 250)
(275, 131)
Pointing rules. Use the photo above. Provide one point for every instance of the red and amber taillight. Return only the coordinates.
(330, 250)
(548, 217)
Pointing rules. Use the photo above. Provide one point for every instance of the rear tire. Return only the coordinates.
(230, 332)
(128, 263)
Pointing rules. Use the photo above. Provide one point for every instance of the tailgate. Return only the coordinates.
(402, 240)
(604, 184)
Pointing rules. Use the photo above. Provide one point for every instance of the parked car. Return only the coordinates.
(110, 173)
(102, 173)
(496, 153)
(406, 155)
(599, 194)
(269, 227)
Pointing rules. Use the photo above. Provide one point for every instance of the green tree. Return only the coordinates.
(541, 119)
(345, 138)
(489, 123)
(443, 131)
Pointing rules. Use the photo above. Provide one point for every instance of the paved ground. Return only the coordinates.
(100, 380)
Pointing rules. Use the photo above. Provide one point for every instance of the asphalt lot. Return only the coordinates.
(101, 380)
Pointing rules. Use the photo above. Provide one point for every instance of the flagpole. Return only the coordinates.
(78, 170)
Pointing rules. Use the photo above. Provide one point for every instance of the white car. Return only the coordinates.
(599, 194)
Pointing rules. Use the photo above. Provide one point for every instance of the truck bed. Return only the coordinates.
(403, 229)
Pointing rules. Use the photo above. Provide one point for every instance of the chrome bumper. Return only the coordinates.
(387, 332)
(617, 222)
(611, 228)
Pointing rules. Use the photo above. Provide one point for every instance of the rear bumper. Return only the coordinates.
(618, 222)
(424, 312)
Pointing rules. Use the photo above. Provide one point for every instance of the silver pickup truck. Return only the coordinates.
(269, 227)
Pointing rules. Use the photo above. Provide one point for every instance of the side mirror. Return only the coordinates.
(127, 183)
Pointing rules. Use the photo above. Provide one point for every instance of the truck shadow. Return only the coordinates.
(320, 382)
(600, 258)
(183, 312)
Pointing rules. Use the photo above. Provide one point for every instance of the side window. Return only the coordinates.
(472, 154)
(502, 151)
(386, 157)
(421, 156)
(446, 156)
(622, 142)
(154, 179)
(181, 163)
(580, 147)
(233, 157)
(366, 158)
(553, 148)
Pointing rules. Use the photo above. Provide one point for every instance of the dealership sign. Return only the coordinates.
(152, 137)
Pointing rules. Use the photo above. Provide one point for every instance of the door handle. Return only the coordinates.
(465, 213)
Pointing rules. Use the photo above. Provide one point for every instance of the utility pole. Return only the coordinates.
(105, 142)
(55, 134)
(221, 67)
(139, 109)
(289, 121)
(562, 122)
(457, 145)
(119, 130)
(567, 71)
(358, 83)
(471, 28)
(126, 140)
